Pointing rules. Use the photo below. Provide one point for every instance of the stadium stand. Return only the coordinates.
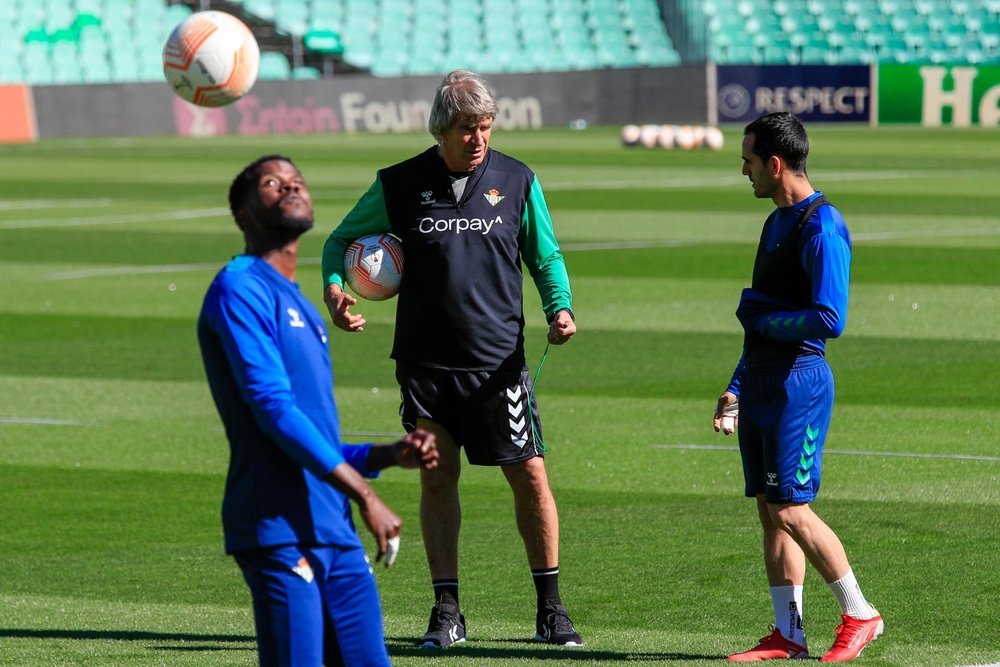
(108, 41)
(853, 31)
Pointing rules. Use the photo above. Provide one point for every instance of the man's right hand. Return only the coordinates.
(727, 415)
(381, 521)
(338, 302)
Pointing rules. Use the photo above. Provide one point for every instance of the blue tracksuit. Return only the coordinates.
(264, 347)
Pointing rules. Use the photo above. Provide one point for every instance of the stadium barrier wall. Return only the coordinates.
(926, 95)
(939, 95)
(17, 114)
(366, 104)
(815, 93)
(929, 95)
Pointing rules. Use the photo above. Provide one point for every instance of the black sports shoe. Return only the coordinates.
(553, 626)
(446, 627)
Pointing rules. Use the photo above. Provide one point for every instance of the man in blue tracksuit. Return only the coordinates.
(468, 216)
(782, 389)
(286, 512)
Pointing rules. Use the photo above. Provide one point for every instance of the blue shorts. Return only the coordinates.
(314, 606)
(784, 417)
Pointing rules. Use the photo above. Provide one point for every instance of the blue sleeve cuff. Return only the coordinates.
(357, 457)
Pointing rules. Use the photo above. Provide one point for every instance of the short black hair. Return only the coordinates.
(246, 181)
(782, 134)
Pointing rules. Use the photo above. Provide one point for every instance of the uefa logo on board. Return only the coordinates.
(734, 100)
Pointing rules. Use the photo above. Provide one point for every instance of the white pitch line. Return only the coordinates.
(870, 236)
(128, 218)
(40, 421)
(147, 270)
(847, 452)
(23, 204)
(371, 434)
(131, 271)
(68, 422)
(926, 234)
(664, 183)
(669, 183)
(627, 245)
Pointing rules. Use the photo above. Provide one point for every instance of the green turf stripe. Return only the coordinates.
(616, 363)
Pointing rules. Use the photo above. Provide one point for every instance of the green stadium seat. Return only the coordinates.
(38, 73)
(515, 35)
(11, 72)
(305, 72)
(274, 66)
(8, 13)
(98, 71)
(262, 9)
(387, 68)
(58, 18)
(176, 13)
(124, 71)
(324, 41)
(37, 36)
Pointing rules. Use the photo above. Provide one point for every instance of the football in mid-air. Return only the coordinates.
(373, 266)
(211, 59)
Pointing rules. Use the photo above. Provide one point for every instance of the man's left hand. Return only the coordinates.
(562, 328)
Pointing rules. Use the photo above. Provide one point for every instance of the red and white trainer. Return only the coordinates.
(853, 635)
(773, 647)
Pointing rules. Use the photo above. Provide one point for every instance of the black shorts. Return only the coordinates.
(491, 414)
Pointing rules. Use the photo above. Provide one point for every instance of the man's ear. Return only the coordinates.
(776, 165)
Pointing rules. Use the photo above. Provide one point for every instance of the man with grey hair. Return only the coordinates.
(468, 216)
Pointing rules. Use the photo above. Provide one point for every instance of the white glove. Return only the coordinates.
(729, 414)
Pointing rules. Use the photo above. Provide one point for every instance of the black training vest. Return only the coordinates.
(779, 273)
(460, 303)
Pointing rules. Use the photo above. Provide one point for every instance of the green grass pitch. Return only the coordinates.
(112, 458)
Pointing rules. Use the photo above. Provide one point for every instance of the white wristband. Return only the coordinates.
(391, 551)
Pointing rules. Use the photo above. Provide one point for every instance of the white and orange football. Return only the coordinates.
(373, 266)
(211, 59)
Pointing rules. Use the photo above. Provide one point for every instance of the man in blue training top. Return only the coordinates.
(286, 513)
(468, 215)
(781, 394)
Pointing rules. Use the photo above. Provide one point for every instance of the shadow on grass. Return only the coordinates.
(211, 641)
(528, 649)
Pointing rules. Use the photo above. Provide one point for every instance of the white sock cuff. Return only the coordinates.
(852, 601)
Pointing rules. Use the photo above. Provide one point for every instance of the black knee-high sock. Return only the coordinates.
(446, 591)
(547, 585)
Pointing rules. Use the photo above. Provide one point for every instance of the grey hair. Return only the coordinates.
(462, 94)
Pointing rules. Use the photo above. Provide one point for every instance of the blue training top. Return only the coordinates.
(799, 299)
(264, 346)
